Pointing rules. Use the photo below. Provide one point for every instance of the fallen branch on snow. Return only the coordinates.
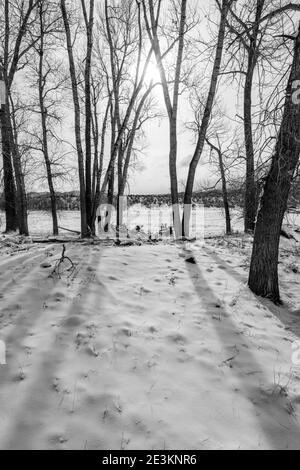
(62, 259)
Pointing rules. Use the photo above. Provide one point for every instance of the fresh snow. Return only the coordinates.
(139, 349)
(40, 222)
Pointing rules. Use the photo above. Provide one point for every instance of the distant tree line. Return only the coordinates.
(70, 201)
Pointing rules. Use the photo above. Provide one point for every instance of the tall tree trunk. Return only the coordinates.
(96, 201)
(173, 123)
(88, 110)
(173, 177)
(225, 196)
(84, 226)
(111, 188)
(224, 186)
(263, 277)
(171, 103)
(121, 161)
(9, 183)
(96, 136)
(22, 214)
(112, 164)
(43, 111)
(250, 190)
(206, 116)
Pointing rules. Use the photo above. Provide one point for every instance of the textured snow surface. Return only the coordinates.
(139, 349)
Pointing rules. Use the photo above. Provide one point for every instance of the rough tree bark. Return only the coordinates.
(9, 183)
(263, 277)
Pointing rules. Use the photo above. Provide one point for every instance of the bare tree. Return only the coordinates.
(144, 112)
(120, 123)
(206, 116)
(14, 50)
(253, 26)
(8, 179)
(48, 22)
(89, 23)
(75, 92)
(218, 149)
(171, 97)
(263, 277)
(99, 138)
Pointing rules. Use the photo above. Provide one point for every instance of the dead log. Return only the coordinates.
(69, 230)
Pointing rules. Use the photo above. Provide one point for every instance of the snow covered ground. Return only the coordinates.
(139, 349)
(40, 223)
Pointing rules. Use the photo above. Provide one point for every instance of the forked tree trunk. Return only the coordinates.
(263, 277)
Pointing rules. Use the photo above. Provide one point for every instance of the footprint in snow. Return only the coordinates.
(72, 322)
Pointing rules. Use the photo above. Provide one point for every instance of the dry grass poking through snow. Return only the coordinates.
(136, 348)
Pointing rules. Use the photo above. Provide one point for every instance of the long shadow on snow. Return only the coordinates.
(288, 317)
(273, 417)
(40, 393)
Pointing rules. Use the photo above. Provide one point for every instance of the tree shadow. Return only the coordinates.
(288, 317)
(284, 313)
(40, 393)
(271, 410)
